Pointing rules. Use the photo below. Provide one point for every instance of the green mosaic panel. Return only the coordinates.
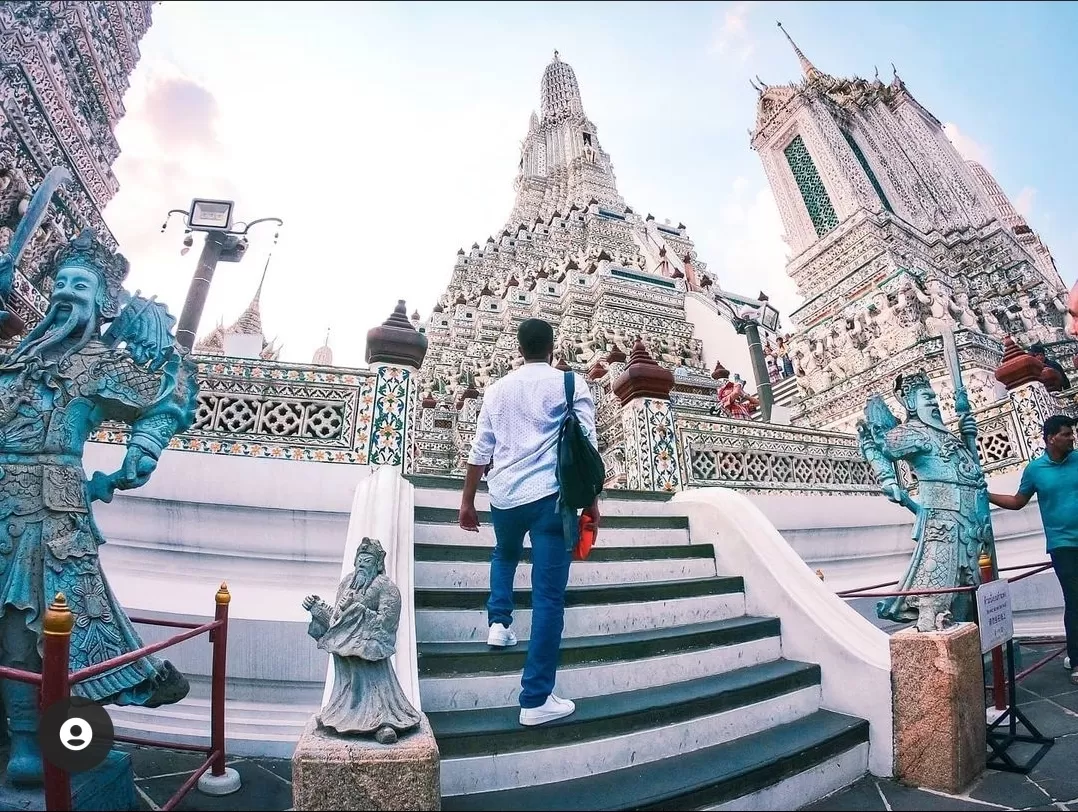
(868, 171)
(812, 189)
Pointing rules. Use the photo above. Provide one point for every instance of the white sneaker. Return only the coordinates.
(1067, 663)
(565, 703)
(553, 708)
(501, 636)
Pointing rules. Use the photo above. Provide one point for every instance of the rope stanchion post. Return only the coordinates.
(220, 779)
(219, 639)
(55, 687)
(999, 679)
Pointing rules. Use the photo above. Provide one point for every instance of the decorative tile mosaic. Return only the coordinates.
(388, 431)
(650, 442)
(812, 189)
(282, 411)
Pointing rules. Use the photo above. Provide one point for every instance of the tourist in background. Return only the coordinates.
(518, 429)
(785, 362)
(772, 366)
(1037, 351)
(1053, 477)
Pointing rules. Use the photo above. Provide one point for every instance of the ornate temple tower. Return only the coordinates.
(1010, 217)
(894, 237)
(574, 254)
(244, 338)
(64, 67)
(561, 161)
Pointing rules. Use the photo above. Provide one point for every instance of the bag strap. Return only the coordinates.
(570, 390)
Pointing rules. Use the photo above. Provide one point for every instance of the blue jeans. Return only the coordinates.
(550, 573)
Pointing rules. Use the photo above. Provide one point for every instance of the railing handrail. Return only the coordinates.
(115, 662)
(863, 591)
(56, 679)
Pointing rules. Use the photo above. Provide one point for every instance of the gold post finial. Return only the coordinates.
(985, 560)
(223, 595)
(58, 617)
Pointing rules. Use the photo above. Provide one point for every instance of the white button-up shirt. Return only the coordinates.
(518, 428)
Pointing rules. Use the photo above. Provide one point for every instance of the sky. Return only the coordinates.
(387, 136)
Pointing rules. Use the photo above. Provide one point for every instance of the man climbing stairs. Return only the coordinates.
(684, 701)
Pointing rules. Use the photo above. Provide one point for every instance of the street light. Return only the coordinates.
(747, 320)
(223, 244)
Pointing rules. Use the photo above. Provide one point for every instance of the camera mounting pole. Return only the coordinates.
(223, 244)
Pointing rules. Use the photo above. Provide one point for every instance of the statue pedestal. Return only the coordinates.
(108, 786)
(938, 684)
(332, 772)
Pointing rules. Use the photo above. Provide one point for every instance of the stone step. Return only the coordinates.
(453, 575)
(477, 553)
(781, 767)
(460, 676)
(586, 595)
(435, 525)
(430, 486)
(613, 617)
(611, 503)
(251, 728)
(487, 749)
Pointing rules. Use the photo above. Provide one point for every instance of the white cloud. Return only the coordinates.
(967, 147)
(1023, 203)
(748, 252)
(733, 37)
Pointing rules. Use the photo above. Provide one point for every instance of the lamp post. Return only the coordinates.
(223, 244)
(747, 322)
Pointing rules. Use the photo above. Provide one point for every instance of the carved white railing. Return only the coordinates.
(754, 456)
(277, 410)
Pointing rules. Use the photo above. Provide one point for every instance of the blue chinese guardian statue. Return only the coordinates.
(68, 375)
(953, 525)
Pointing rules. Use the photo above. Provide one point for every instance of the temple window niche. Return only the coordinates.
(813, 192)
(868, 171)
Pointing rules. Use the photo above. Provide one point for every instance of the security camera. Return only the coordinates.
(188, 241)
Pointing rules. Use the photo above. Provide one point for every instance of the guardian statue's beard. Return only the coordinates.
(363, 577)
(931, 416)
(68, 326)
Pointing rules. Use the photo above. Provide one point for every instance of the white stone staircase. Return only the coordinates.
(684, 699)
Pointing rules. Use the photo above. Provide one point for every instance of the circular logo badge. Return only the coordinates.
(75, 734)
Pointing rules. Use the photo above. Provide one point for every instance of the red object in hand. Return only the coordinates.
(586, 537)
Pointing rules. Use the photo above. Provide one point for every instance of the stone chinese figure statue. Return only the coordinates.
(360, 631)
(57, 386)
(953, 525)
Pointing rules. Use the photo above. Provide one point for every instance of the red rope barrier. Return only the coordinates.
(862, 591)
(194, 748)
(906, 592)
(176, 624)
(138, 654)
(187, 785)
(18, 675)
(1041, 568)
(56, 681)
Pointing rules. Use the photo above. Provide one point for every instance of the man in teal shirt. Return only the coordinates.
(1053, 477)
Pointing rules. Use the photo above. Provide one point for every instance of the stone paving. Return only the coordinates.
(266, 787)
(1050, 701)
(1047, 697)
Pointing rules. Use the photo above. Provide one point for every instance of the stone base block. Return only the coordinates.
(108, 787)
(939, 720)
(331, 772)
